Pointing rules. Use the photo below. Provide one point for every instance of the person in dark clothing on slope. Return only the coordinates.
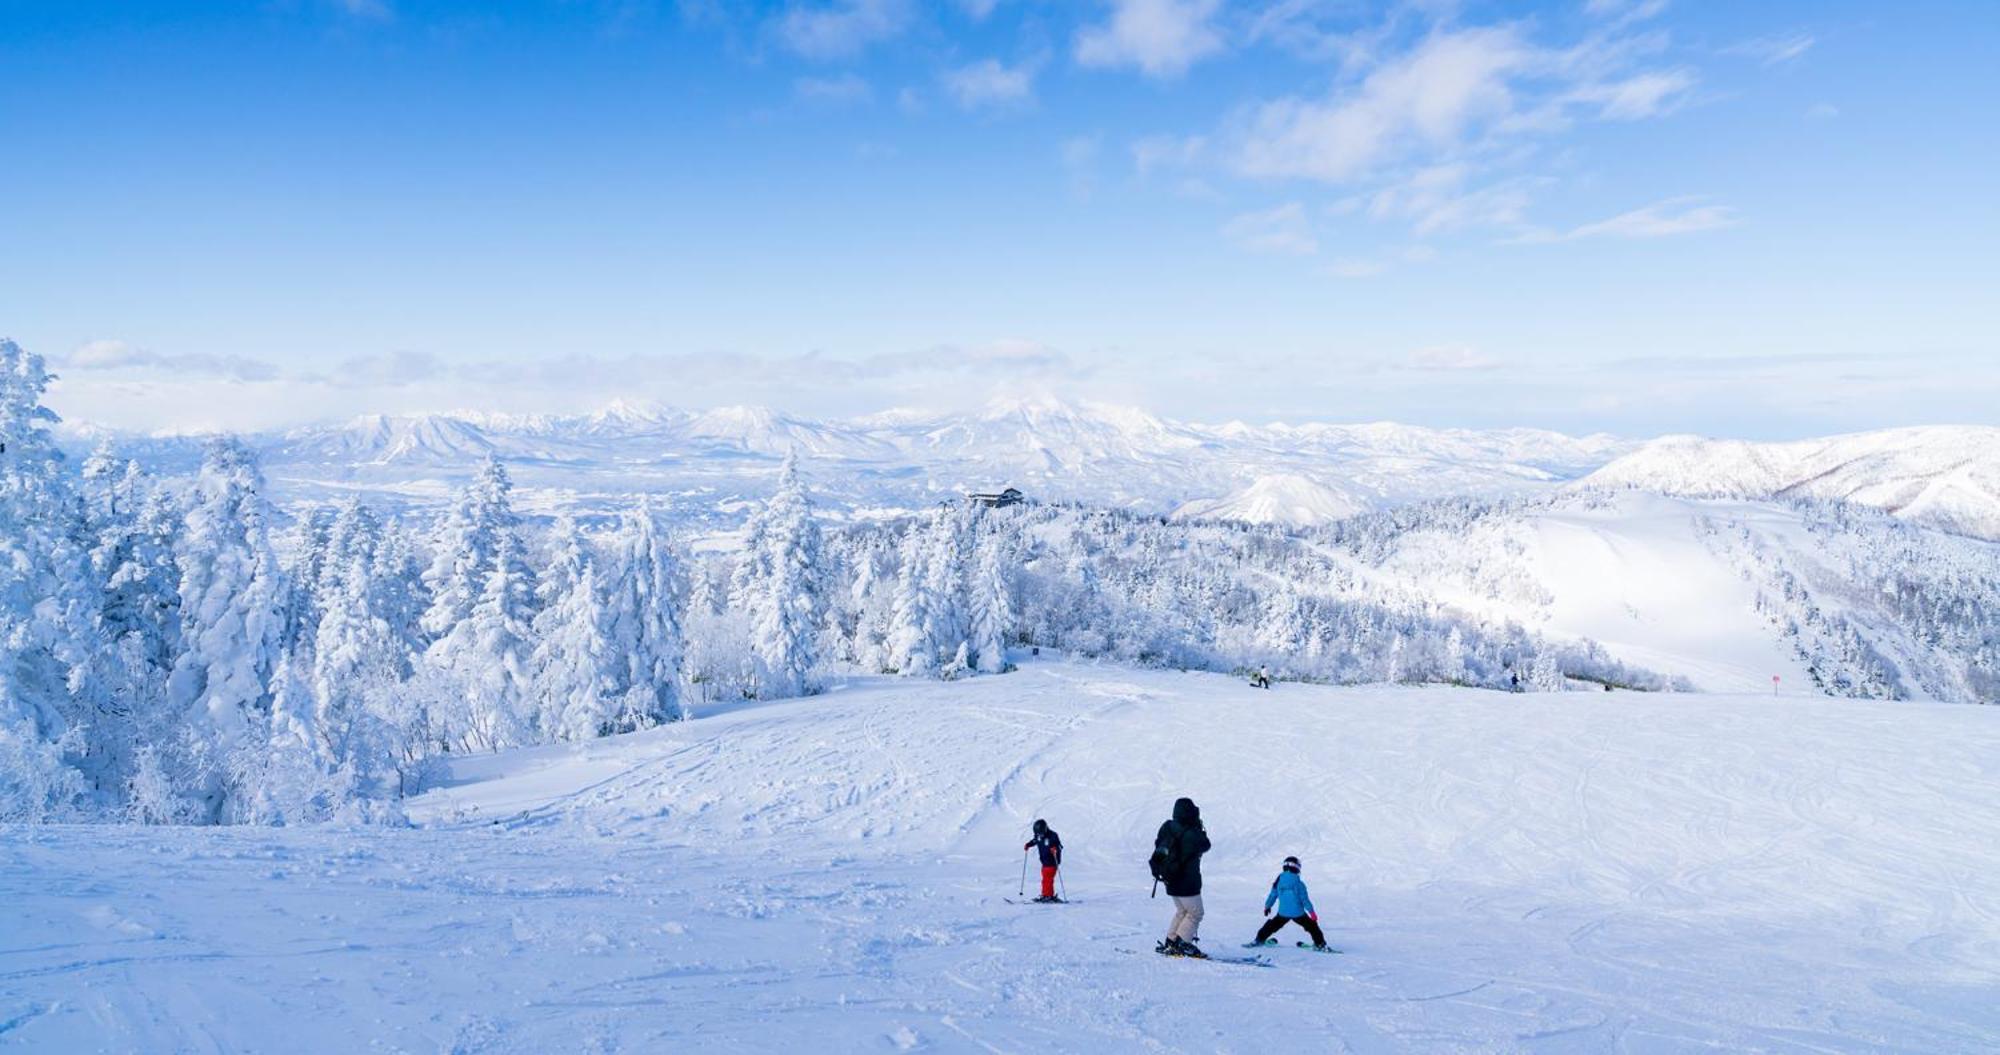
(1288, 893)
(1176, 862)
(1050, 844)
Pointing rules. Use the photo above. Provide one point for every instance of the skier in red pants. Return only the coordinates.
(1050, 844)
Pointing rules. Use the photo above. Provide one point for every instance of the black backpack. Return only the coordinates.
(1165, 861)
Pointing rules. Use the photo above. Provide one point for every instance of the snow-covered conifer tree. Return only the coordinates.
(572, 664)
(643, 624)
(782, 591)
(488, 652)
(47, 607)
(232, 618)
(468, 548)
(992, 611)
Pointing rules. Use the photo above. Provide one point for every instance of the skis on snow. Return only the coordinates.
(1240, 961)
(1038, 901)
(1272, 943)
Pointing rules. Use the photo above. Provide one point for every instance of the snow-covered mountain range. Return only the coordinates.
(706, 462)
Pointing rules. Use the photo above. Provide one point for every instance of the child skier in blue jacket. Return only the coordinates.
(1288, 893)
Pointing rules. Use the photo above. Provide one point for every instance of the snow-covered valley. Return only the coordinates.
(1547, 873)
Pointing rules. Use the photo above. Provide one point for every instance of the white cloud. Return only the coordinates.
(1637, 97)
(988, 82)
(112, 356)
(1284, 230)
(840, 28)
(1437, 200)
(1773, 51)
(1157, 152)
(1430, 98)
(1822, 112)
(1161, 38)
(1624, 11)
(841, 90)
(1661, 219)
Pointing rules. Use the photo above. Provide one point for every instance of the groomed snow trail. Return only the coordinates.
(1575, 873)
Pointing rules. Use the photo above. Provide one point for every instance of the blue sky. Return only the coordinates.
(1761, 220)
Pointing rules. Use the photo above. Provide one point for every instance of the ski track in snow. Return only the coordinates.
(1574, 873)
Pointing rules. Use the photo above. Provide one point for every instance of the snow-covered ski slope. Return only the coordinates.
(1629, 571)
(1562, 873)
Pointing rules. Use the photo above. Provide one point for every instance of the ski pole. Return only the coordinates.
(1024, 873)
(1062, 886)
(1156, 889)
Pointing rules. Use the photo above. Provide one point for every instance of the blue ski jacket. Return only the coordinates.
(1288, 892)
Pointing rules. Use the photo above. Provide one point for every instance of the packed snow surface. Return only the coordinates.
(1561, 873)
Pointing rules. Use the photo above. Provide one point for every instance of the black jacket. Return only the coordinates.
(1182, 841)
(1049, 844)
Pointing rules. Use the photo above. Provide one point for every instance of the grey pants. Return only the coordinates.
(1187, 919)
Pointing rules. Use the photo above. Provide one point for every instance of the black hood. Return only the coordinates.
(1186, 812)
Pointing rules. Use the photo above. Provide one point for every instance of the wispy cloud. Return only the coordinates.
(1439, 199)
(118, 356)
(1284, 230)
(990, 83)
(1430, 98)
(1160, 38)
(847, 88)
(1662, 219)
(840, 28)
(1773, 51)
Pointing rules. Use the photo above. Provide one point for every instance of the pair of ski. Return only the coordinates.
(1272, 943)
(1240, 961)
(1038, 901)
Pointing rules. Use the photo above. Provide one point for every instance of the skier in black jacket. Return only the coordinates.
(1176, 862)
(1050, 845)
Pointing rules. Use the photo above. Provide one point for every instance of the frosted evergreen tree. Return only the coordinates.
(468, 548)
(572, 663)
(357, 654)
(782, 592)
(310, 551)
(131, 527)
(47, 607)
(231, 613)
(487, 654)
(1544, 675)
(401, 598)
(925, 628)
(643, 624)
(992, 611)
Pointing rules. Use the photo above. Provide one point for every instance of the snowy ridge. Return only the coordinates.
(1947, 476)
(1282, 498)
(1051, 449)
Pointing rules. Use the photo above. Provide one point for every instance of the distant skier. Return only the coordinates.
(1176, 862)
(1261, 679)
(1288, 893)
(1050, 846)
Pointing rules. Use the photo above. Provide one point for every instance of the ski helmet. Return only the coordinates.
(1291, 864)
(1041, 826)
